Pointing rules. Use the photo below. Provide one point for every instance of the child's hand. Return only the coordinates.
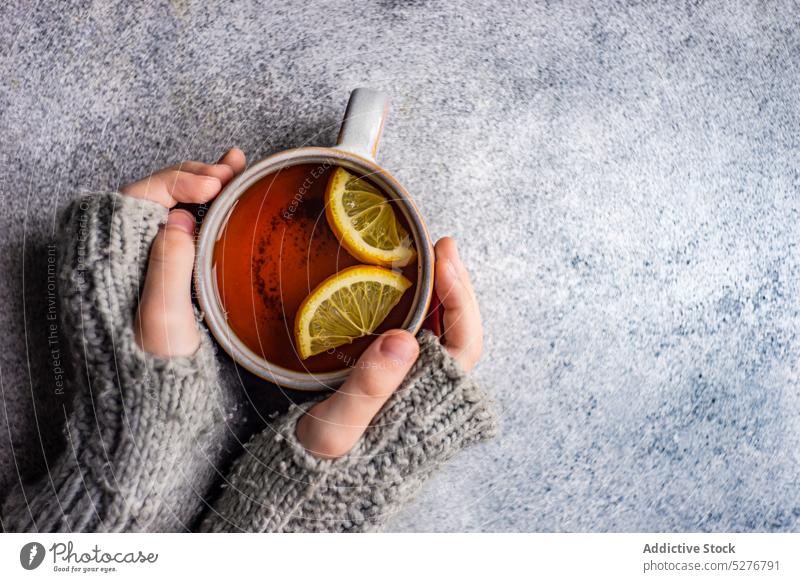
(332, 427)
(165, 324)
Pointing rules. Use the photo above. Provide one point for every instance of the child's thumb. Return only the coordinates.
(166, 324)
(332, 427)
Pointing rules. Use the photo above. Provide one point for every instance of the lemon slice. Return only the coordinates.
(346, 306)
(364, 222)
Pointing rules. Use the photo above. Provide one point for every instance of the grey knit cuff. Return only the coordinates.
(170, 436)
(438, 408)
(144, 440)
(278, 486)
(110, 224)
(180, 383)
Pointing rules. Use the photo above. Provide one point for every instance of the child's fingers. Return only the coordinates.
(165, 324)
(231, 163)
(332, 427)
(191, 182)
(168, 187)
(150, 188)
(463, 332)
(234, 158)
(187, 187)
(222, 172)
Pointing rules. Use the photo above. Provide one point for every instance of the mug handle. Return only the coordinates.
(363, 121)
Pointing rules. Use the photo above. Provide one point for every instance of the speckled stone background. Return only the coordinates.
(623, 181)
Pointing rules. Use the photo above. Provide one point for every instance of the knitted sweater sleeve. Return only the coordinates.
(277, 486)
(143, 436)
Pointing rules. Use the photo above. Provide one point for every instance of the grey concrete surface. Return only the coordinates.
(623, 181)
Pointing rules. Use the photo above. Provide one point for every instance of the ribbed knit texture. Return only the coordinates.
(146, 434)
(279, 487)
(143, 438)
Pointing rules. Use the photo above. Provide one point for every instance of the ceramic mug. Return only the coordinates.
(355, 150)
